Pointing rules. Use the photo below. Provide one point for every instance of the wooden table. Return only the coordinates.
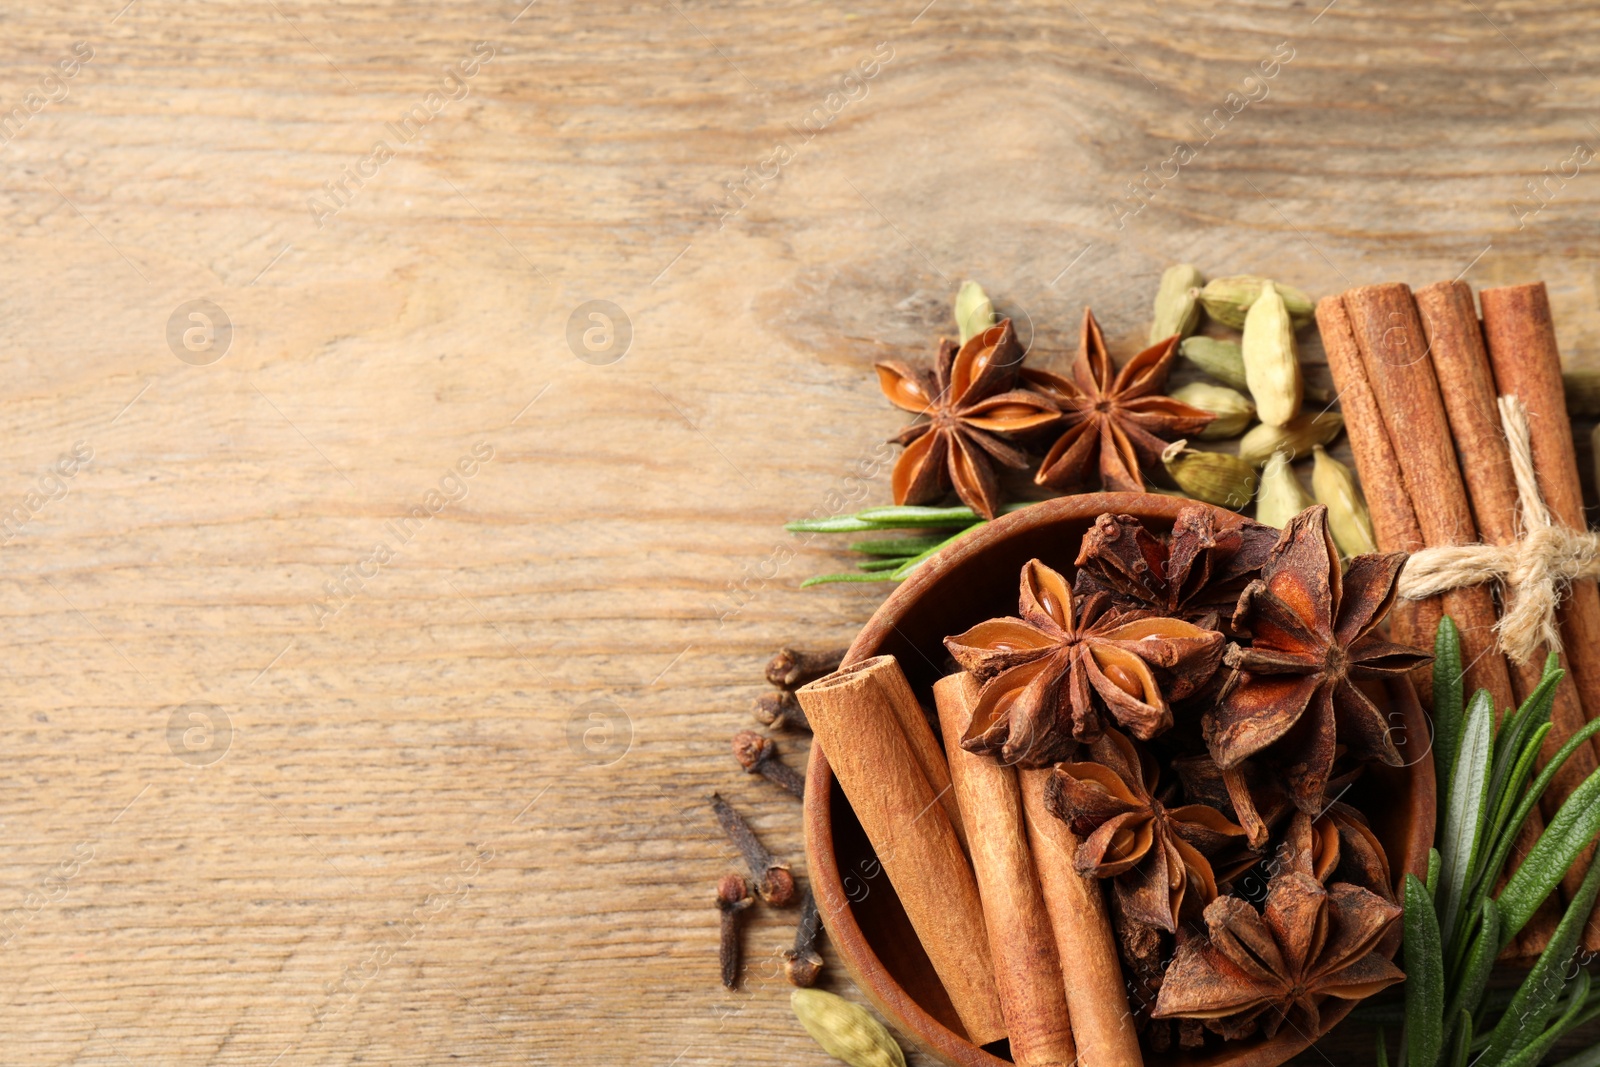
(279, 795)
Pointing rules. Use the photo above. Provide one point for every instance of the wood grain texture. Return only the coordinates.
(464, 817)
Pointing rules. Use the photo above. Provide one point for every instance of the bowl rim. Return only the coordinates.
(865, 968)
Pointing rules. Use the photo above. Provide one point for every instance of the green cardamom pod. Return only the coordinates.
(1348, 519)
(1177, 309)
(1295, 438)
(1271, 359)
(1227, 300)
(1233, 410)
(974, 311)
(845, 1031)
(1221, 359)
(1215, 477)
(1282, 496)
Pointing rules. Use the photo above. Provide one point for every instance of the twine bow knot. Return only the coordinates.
(1535, 570)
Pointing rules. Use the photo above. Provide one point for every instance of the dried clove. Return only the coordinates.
(803, 963)
(733, 896)
(781, 710)
(758, 755)
(774, 883)
(790, 668)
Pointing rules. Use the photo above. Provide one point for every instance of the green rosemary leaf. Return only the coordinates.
(1535, 1050)
(914, 562)
(909, 515)
(904, 547)
(1509, 796)
(882, 564)
(1534, 712)
(1489, 873)
(1463, 1045)
(848, 576)
(1589, 1057)
(1464, 814)
(1449, 697)
(1381, 1053)
(833, 524)
(1424, 987)
(1474, 975)
(1525, 1017)
(1566, 835)
(1433, 872)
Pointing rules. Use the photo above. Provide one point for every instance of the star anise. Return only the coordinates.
(971, 405)
(1259, 971)
(1158, 857)
(1047, 675)
(1114, 420)
(1195, 575)
(1313, 631)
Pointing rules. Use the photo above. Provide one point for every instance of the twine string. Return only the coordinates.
(1535, 571)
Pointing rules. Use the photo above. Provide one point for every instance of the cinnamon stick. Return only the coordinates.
(1394, 352)
(1102, 1022)
(924, 746)
(1527, 363)
(855, 720)
(1027, 968)
(1455, 344)
(1394, 520)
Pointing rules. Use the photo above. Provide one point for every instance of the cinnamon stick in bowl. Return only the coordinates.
(855, 719)
(1033, 996)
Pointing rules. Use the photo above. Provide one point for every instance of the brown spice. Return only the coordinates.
(864, 739)
(803, 963)
(733, 897)
(1196, 574)
(1314, 630)
(1267, 969)
(780, 711)
(759, 755)
(1102, 1024)
(1048, 675)
(1394, 351)
(1159, 858)
(1394, 520)
(1027, 967)
(774, 883)
(1114, 421)
(790, 668)
(971, 407)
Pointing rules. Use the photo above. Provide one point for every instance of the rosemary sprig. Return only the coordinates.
(894, 557)
(1455, 925)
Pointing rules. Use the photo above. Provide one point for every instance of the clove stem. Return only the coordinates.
(733, 896)
(774, 883)
(790, 668)
(803, 963)
(780, 710)
(758, 755)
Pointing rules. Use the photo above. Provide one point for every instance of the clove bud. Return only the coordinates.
(733, 896)
(790, 668)
(758, 755)
(774, 883)
(780, 710)
(803, 963)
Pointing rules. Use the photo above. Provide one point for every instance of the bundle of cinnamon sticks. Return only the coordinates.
(1019, 939)
(1418, 376)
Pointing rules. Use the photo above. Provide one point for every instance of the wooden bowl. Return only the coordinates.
(973, 580)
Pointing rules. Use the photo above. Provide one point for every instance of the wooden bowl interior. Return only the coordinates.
(977, 580)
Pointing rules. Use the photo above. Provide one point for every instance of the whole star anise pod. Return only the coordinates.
(1158, 857)
(1338, 845)
(1259, 971)
(1047, 675)
(1196, 574)
(1313, 631)
(1113, 420)
(971, 405)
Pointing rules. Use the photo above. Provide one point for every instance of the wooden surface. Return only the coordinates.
(463, 818)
